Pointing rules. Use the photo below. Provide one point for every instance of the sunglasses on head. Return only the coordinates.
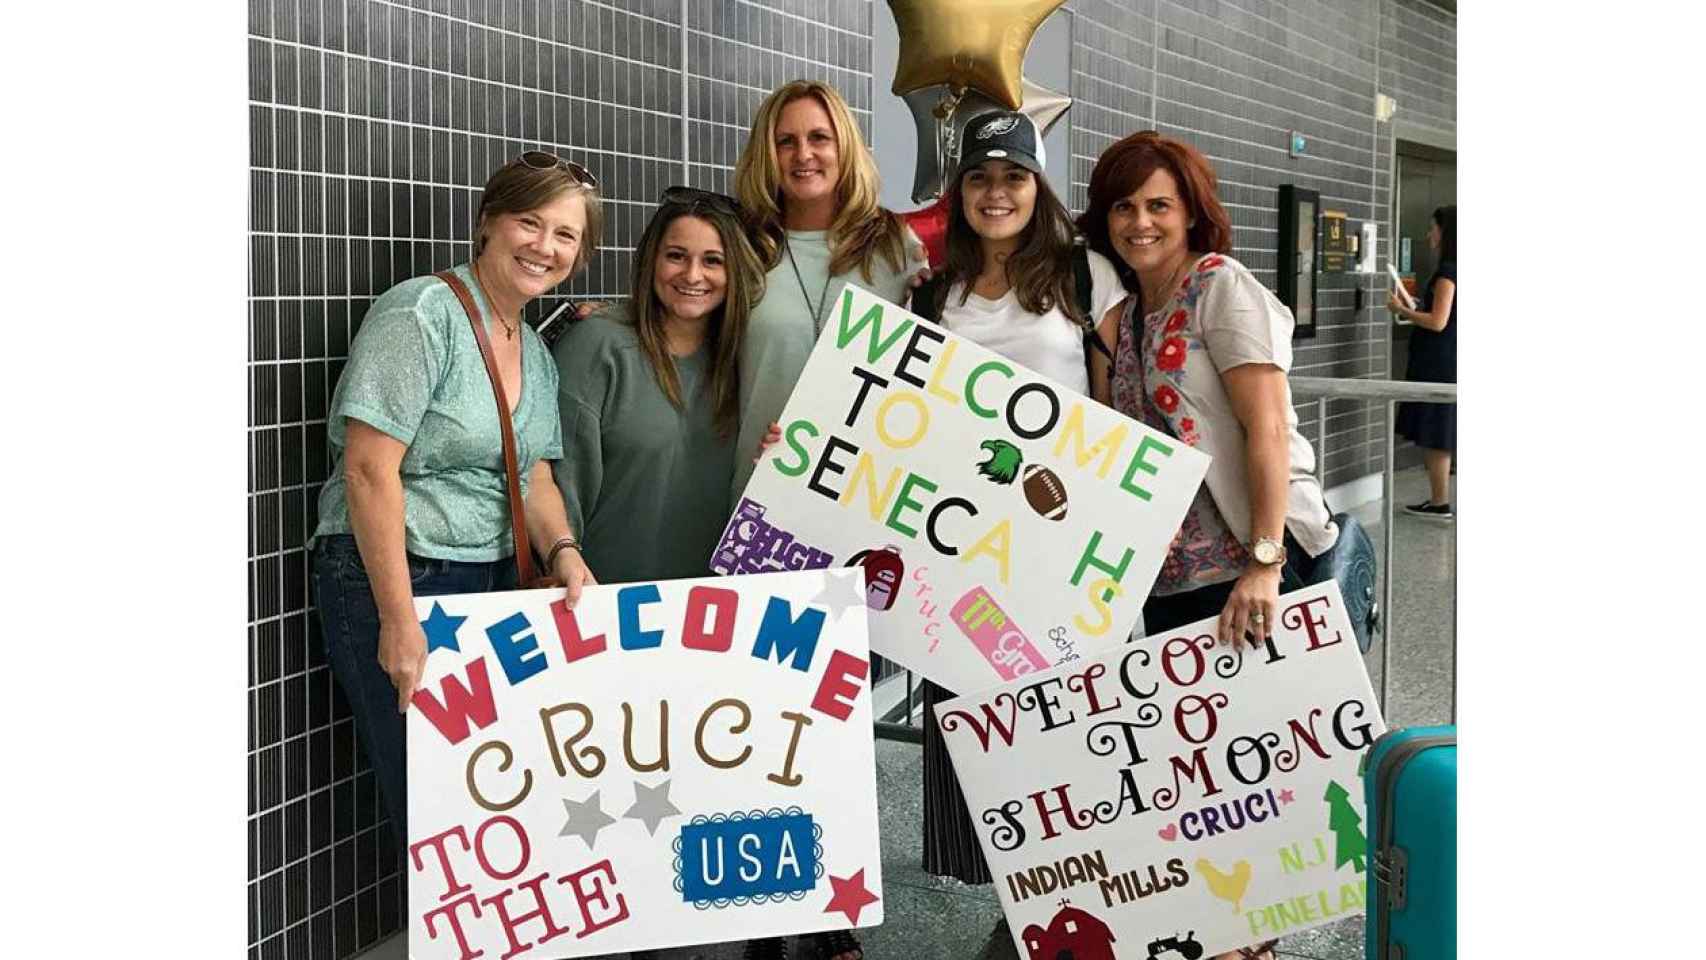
(693, 196)
(540, 160)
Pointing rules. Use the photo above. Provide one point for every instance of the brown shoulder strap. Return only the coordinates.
(517, 514)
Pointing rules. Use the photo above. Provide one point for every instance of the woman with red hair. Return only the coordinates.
(1201, 351)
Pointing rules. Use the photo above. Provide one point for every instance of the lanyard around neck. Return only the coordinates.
(815, 308)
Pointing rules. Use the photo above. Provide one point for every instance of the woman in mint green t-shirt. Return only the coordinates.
(649, 399)
(416, 503)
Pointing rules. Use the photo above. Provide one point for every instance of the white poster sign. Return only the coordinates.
(670, 763)
(1005, 523)
(1175, 798)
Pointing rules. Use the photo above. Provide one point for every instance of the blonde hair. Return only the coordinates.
(861, 230)
(727, 324)
(518, 188)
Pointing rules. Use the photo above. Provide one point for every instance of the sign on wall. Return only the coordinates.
(669, 763)
(1174, 796)
(1004, 522)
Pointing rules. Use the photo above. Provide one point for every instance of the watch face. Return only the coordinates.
(1268, 552)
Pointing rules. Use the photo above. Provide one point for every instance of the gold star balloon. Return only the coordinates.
(967, 44)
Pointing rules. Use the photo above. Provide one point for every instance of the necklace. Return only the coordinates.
(815, 308)
(1171, 281)
(509, 331)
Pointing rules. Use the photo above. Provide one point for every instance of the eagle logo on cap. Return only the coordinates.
(997, 127)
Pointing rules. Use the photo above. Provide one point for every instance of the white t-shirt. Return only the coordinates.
(1050, 344)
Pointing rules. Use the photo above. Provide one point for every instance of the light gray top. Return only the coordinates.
(782, 330)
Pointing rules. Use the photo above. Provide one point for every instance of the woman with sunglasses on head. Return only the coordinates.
(1010, 284)
(808, 187)
(1201, 354)
(416, 504)
(649, 399)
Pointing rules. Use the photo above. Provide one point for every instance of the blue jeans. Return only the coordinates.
(350, 622)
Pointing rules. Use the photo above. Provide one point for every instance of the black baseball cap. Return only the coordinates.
(1002, 135)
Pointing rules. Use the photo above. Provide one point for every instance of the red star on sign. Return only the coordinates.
(1286, 796)
(850, 896)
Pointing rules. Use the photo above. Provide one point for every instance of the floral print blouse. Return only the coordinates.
(1146, 381)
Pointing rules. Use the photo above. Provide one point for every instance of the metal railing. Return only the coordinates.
(895, 723)
(1389, 393)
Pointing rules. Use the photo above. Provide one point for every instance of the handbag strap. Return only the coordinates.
(517, 515)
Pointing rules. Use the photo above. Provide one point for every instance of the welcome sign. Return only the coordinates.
(669, 763)
(1175, 797)
(1004, 523)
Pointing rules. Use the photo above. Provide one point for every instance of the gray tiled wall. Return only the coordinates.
(374, 122)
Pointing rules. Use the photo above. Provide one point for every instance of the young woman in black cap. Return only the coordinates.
(1017, 283)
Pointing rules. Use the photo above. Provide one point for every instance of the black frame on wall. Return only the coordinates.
(1299, 243)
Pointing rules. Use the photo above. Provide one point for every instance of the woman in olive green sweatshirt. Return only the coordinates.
(649, 396)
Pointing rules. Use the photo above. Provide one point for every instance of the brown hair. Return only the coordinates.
(518, 188)
(861, 230)
(1040, 270)
(727, 325)
(1125, 166)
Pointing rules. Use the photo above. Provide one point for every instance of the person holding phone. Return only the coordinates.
(1433, 359)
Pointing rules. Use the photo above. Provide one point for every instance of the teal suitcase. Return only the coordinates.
(1410, 785)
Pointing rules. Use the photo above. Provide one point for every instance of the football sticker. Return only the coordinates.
(1042, 487)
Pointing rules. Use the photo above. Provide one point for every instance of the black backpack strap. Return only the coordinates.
(927, 299)
(1083, 289)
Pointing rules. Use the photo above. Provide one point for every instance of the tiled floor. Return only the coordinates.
(929, 919)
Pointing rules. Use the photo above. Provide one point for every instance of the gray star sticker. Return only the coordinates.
(840, 592)
(651, 805)
(585, 819)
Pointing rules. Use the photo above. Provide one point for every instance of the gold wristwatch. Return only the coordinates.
(1268, 551)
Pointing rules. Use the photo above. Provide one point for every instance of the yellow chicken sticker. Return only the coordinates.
(1227, 886)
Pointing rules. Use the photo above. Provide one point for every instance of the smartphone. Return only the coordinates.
(564, 310)
(1398, 287)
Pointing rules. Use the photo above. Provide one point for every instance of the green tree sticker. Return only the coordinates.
(1349, 844)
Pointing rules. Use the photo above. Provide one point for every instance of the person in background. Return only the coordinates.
(1202, 350)
(1009, 285)
(808, 187)
(649, 395)
(1433, 359)
(416, 504)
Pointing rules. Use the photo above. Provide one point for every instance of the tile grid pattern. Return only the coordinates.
(373, 124)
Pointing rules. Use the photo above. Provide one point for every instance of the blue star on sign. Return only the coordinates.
(441, 629)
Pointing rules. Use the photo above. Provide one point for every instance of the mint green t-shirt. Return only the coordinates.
(782, 330)
(415, 373)
(646, 485)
